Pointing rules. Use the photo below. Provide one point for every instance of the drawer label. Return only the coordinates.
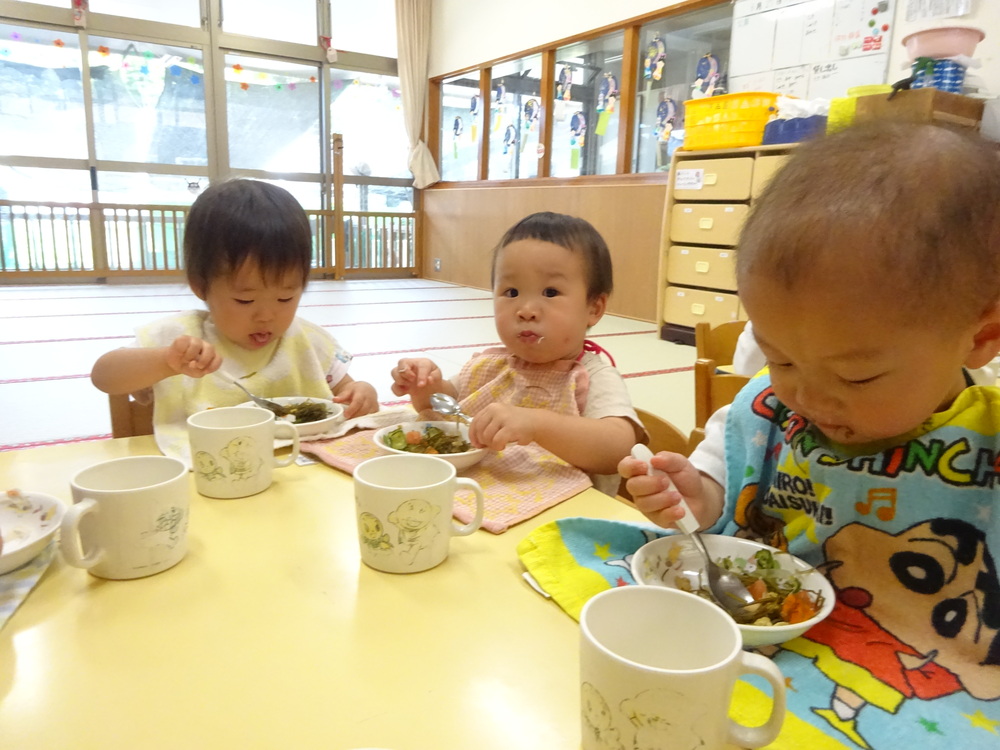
(689, 179)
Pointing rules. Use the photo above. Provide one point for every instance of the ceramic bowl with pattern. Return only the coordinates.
(27, 522)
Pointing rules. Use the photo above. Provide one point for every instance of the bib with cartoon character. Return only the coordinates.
(909, 535)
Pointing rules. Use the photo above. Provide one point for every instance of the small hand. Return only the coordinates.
(358, 398)
(500, 424)
(656, 496)
(416, 375)
(193, 357)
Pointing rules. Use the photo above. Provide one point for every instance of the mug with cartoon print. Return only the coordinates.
(404, 506)
(658, 669)
(232, 450)
(129, 517)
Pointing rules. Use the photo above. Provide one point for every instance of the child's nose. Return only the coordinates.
(813, 400)
(527, 311)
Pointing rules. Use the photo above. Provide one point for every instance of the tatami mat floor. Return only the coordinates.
(51, 336)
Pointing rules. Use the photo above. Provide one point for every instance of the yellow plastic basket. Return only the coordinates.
(727, 121)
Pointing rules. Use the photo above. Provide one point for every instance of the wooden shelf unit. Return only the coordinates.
(708, 198)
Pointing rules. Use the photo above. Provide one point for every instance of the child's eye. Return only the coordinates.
(285, 299)
(862, 381)
(244, 301)
(550, 292)
(510, 293)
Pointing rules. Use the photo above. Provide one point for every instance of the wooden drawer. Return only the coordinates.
(764, 170)
(711, 267)
(707, 223)
(713, 179)
(684, 306)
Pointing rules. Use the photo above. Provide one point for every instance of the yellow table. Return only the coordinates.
(271, 634)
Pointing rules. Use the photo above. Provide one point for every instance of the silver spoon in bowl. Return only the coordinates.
(725, 586)
(442, 403)
(278, 409)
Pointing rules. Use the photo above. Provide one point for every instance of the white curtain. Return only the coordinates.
(413, 37)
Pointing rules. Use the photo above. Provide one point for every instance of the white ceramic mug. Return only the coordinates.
(129, 517)
(232, 450)
(658, 668)
(404, 507)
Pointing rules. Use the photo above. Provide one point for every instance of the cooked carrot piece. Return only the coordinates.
(798, 607)
(757, 589)
(413, 437)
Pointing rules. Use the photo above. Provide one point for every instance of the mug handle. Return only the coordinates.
(765, 734)
(475, 523)
(69, 535)
(280, 426)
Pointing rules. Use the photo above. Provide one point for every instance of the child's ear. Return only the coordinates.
(198, 289)
(597, 307)
(986, 339)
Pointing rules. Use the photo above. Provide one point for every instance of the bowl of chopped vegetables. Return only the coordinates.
(791, 595)
(311, 416)
(447, 440)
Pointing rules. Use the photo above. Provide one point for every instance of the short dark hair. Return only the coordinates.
(917, 204)
(572, 233)
(239, 220)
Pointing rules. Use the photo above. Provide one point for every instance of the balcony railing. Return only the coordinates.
(96, 240)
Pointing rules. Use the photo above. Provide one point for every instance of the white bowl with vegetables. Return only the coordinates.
(447, 440)
(311, 416)
(791, 595)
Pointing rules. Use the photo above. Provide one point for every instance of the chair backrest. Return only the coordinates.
(129, 418)
(717, 342)
(713, 389)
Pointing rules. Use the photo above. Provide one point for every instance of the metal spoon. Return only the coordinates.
(442, 403)
(725, 586)
(278, 409)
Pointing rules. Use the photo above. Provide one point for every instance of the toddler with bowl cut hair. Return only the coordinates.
(247, 256)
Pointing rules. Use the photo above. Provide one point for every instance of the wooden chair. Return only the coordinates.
(713, 389)
(663, 436)
(130, 418)
(717, 342)
(716, 348)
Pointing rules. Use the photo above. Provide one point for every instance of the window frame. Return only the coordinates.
(626, 104)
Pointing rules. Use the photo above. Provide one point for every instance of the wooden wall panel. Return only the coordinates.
(461, 225)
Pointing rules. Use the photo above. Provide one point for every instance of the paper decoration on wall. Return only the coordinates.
(577, 130)
(564, 83)
(666, 115)
(608, 94)
(531, 114)
(80, 9)
(326, 43)
(498, 104)
(708, 79)
(509, 139)
(656, 54)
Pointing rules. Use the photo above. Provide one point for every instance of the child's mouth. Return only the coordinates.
(260, 339)
(529, 337)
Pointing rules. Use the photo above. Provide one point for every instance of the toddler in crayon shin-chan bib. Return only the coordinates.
(870, 267)
(546, 391)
